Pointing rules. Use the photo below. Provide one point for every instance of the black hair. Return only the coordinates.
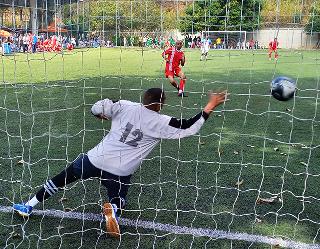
(154, 96)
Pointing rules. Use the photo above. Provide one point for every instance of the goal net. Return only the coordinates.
(248, 179)
(228, 39)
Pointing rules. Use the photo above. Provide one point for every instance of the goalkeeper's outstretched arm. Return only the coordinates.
(180, 128)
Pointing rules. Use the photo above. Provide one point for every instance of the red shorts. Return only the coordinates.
(173, 72)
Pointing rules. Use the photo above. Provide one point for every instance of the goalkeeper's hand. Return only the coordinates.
(215, 99)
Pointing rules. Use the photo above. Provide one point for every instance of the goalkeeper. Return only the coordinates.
(135, 130)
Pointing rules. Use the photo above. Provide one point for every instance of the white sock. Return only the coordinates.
(34, 201)
(115, 208)
(180, 91)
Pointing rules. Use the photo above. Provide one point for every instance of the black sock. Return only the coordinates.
(59, 181)
(175, 85)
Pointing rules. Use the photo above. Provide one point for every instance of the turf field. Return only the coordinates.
(269, 148)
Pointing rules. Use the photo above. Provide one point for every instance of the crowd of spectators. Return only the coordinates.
(32, 43)
(217, 42)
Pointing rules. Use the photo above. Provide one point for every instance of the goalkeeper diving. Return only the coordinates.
(136, 129)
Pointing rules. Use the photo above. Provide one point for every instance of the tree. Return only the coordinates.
(313, 25)
(200, 16)
(143, 15)
(285, 13)
(221, 15)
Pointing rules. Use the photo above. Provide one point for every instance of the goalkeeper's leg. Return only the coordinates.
(80, 168)
(117, 187)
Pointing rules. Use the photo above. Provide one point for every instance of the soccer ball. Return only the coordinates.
(283, 88)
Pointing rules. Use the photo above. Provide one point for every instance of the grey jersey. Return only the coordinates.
(135, 131)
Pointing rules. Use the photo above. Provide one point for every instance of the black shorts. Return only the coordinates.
(117, 186)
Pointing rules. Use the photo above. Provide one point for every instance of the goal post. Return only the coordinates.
(227, 39)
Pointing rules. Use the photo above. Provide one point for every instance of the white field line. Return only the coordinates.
(198, 232)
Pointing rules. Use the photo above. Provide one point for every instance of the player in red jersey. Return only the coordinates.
(273, 47)
(174, 58)
(70, 46)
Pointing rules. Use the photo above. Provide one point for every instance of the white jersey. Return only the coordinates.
(135, 131)
(205, 45)
(25, 40)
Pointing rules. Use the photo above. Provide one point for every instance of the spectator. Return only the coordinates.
(186, 41)
(247, 45)
(73, 41)
(238, 44)
(149, 42)
(190, 41)
(218, 42)
(25, 42)
(140, 41)
(256, 44)
(243, 45)
(125, 41)
(251, 44)
(109, 44)
(162, 42)
(172, 41)
(198, 41)
(29, 42)
(20, 43)
(145, 39)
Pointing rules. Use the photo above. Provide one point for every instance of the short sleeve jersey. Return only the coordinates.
(205, 44)
(174, 57)
(273, 45)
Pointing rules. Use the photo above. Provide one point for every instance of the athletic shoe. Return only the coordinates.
(22, 209)
(111, 220)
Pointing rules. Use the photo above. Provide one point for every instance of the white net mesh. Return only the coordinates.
(249, 179)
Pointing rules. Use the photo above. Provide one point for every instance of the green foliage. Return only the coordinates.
(221, 15)
(201, 16)
(313, 24)
(125, 16)
(285, 13)
(170, 20)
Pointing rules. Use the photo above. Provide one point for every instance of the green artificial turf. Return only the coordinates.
(272, 146)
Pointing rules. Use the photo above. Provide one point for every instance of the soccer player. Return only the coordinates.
(205, 47)
(174, 57)
(135, 131)
(273, 47)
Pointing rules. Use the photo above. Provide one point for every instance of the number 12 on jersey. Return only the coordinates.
(136, 133)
